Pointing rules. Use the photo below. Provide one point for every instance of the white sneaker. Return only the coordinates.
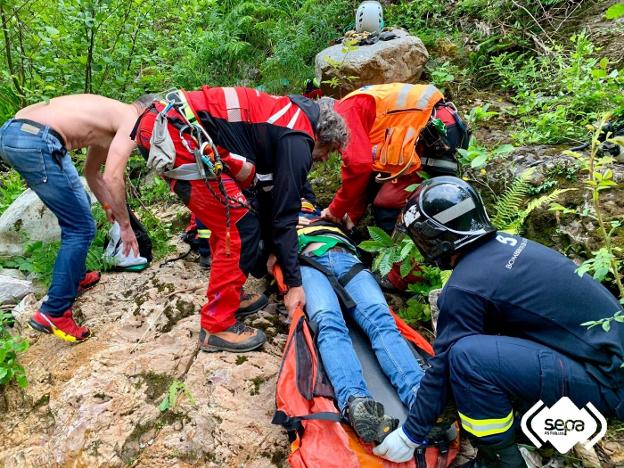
(114, 250)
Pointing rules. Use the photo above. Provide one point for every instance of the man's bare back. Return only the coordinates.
(83, 119)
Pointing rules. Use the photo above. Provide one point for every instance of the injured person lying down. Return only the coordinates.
(335, 280)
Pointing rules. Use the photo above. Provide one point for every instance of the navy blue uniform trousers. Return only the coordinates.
(489, 374)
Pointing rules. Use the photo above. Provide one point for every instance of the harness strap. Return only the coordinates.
(187, 171)
(343, 296)
(338, 284)
(442, 163)
(349, 275)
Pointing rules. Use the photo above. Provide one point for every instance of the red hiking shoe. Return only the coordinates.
(63, 327)
(89, 280)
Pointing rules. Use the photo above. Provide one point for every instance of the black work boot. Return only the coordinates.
(499, 457)
(366, 417)
(239, 338)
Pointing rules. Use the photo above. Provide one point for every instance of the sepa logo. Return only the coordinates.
(564, 425)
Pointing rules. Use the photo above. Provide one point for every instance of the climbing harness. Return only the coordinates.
(208, 163)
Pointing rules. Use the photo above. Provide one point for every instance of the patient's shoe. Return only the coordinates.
(368, 420)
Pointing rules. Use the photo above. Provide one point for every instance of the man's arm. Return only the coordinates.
(357, 163)
(293, 160)
(461, 315)
(118, 154)
(96, 157)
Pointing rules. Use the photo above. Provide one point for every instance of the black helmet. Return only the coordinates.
(444, 215)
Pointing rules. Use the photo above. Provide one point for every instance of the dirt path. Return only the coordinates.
(96, 403)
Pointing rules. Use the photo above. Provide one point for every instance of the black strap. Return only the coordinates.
(291, 423)
(349, 275)
(341, 292)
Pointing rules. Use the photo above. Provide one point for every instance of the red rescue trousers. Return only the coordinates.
(231, 260)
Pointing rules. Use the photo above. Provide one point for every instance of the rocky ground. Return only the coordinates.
(97, 403)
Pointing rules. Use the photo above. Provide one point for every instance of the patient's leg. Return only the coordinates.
(341, 364)
(392, 351)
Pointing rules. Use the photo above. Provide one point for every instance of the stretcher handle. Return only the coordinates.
(278, 274)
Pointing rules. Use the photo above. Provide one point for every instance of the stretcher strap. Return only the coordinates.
(343, 296)
(292, 423)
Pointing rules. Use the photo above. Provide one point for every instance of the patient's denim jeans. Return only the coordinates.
(41, 160)
(372, 315)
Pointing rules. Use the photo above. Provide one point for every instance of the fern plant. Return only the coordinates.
(509, 216)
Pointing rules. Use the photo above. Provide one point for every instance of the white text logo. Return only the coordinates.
(564, 425)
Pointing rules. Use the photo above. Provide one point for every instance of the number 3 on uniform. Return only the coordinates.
(507, 240)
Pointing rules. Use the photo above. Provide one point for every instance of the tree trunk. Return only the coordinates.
(9, 56)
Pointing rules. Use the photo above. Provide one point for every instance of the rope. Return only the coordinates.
(201, 138)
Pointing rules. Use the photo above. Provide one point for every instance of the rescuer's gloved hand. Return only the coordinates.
(397, 447)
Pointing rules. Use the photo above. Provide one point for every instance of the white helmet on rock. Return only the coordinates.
(369, 17)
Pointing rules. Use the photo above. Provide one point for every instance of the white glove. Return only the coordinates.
(396, 447)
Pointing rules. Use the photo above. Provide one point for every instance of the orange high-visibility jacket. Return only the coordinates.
(402, 111)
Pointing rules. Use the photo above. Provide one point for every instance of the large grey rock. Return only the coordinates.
(23, 311)
(28, 220)
(399, 60)
(13, 290)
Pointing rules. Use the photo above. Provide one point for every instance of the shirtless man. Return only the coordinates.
(36, 144)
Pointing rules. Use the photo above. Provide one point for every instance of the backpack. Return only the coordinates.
(305, 408)
(143, 238)
(414, 128)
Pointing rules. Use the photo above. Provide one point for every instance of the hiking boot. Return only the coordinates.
(250, 304)
(368, 420)
(500, 457)
(90, 279)
(63, 327)
(205, 261)
(239, 338)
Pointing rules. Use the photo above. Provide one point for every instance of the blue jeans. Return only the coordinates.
(41, 159)
(372, 315)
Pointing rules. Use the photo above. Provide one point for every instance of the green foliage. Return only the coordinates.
(175, 390)
(11, 346)
(600, 265)
(513, 207)
(615, 11)
(605, 323)
(480, 114)
(442, 76)
(38, 259)
(605, 263)
(11, 187)
(401, 249)
(338, 80)
(558, 94)
(477, 156)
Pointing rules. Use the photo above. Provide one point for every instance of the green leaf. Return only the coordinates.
(21, 380)
(618, 318)
(379, 235)
(370, 246)
(479, 161)
(615, 11)
(503, 149)
(606, 326)
(164, 405)
(385, 265)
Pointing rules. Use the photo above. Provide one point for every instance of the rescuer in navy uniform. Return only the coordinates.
(511, 330)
